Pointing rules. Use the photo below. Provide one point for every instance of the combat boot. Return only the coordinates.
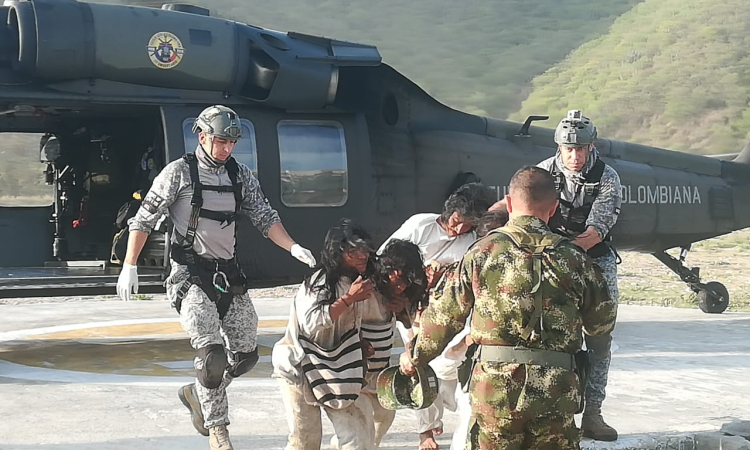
(594, 426)
(219, 438)
(189, 398)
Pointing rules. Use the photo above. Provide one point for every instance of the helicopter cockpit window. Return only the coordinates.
(22, 175)
(313, 163)
(244, 152)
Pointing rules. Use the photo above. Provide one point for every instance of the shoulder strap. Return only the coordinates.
(233, 169)
(522, 239)
(595, 174)
(196, 201)
(592, 183)
(536, 247)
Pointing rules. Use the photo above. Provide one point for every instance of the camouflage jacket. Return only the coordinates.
(172, 191)
(606, 207)
(494, 280)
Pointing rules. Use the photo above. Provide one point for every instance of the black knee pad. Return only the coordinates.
(600, 345)
(214, 363)
(243, 363)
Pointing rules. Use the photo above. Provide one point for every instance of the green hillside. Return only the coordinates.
(21, 173)
(475, 55)
(670, 73)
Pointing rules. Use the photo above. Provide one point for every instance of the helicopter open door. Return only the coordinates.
(61, 183)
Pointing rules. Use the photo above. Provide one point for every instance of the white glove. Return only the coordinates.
(303, 254)
(127, 282)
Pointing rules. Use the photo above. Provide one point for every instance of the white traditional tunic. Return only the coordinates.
(353, 425)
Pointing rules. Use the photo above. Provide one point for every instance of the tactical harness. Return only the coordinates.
(536, 247)
(220, 279)
(572, 219)
(579, 362)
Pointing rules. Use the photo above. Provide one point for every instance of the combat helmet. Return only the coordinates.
(398, 391)
(219, 121)
(575, 130)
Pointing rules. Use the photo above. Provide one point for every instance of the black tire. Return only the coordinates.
(711, 304)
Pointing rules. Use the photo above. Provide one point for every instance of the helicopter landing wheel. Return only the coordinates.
(714, 298)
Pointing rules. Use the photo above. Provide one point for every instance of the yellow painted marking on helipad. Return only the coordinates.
(272, 324)
(120, 349)
(138, 357)
(125, 350)
(142, 329)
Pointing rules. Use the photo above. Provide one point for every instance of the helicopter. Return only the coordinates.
(329, 129)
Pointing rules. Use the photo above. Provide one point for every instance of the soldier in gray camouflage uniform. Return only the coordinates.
(590, 202)
(206, 285)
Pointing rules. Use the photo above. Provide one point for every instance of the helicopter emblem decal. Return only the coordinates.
(165, 50)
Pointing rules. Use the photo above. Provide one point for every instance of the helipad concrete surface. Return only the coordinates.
(104, 375)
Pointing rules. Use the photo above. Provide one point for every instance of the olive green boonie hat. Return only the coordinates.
(398, 391)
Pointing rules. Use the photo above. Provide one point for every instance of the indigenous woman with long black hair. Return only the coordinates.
(401, 288)
(320, 361)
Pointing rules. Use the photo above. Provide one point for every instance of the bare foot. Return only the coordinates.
(427, 442)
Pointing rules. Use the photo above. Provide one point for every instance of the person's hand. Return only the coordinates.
(368, 348)
(406, 366)
(127, 282)
(302, 254)
(359, 291)
(588, 238)
(434, 271)
(500, 205)
(398, 303)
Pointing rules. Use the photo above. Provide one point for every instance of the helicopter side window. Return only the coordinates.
(22, 177)
(313, 163)
(244, 152)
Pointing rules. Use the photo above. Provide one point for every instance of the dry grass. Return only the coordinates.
(645, 281)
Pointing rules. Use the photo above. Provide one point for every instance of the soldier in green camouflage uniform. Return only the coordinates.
(520, 405)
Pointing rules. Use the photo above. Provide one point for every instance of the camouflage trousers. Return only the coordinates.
(517, 406)
(595, 390)
(540, 433)
(237, 332)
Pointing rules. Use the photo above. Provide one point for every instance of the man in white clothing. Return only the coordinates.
(443, 239)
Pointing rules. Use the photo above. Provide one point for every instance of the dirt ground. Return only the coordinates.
(645, 281)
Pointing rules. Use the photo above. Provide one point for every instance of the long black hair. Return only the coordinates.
(403, 256)
(470, 201)
(331, 266)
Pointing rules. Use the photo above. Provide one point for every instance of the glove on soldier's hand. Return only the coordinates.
(127, 282)
(303, 254)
